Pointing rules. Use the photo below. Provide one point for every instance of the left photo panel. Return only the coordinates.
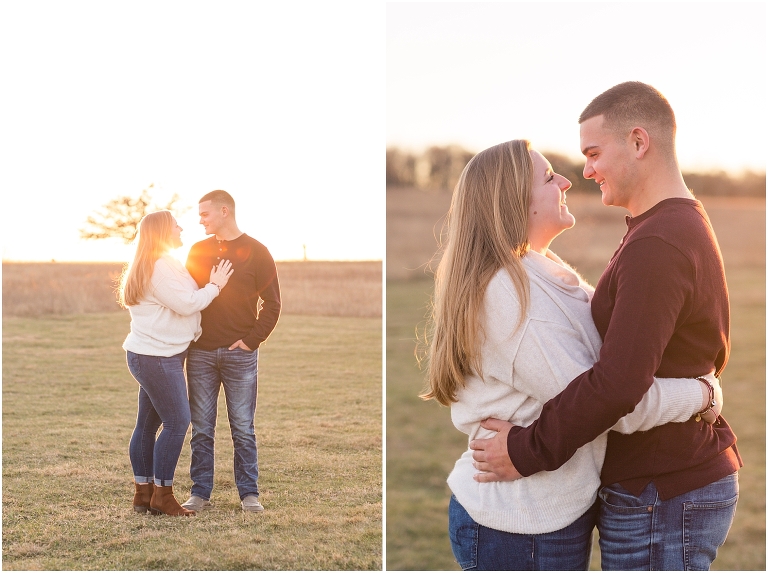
(192, 290)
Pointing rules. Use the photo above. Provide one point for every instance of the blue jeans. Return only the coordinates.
(236, 371)
(683, 533)
(162, 400)
(481, 548)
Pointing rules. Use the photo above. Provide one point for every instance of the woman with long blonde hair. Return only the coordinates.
(511, 326)
(165, 303)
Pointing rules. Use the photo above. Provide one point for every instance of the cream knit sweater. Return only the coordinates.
(522, 369)
(168, 318)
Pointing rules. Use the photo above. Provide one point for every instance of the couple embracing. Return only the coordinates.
(585, 407)
(206, 320)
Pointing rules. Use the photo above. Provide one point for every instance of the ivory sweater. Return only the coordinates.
(168, 317)
(525, 367)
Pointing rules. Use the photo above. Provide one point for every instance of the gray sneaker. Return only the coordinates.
(251, 503)
(197, 503)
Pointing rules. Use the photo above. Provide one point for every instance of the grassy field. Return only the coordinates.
(422, 444)
(313, 288)
(68, 412)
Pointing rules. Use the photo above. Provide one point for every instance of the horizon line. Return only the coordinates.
(24, 261)
(576, 157)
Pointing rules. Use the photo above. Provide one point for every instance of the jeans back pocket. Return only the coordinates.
(463, 532)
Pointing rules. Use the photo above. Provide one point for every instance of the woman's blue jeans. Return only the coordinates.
(481, 548)
(645, 533)
(237, 372)
(162, 400)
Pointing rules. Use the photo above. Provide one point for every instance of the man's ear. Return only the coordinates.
(640, 140)
(224, 211)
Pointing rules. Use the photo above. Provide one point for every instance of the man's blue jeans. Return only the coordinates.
(480, 548)
(162, 400)
(679, 534)
(236, 371)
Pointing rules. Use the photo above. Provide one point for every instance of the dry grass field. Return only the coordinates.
(68, 405)
(312, 288)
(415, 219)
(422, 443)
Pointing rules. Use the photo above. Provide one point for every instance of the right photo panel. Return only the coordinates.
(575, 286)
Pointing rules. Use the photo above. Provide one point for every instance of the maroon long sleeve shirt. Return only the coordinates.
(235, 313)
(661, 307)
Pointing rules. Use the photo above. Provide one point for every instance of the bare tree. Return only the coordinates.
(121, 216)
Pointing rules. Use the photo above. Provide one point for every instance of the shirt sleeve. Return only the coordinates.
(653, 283)
(269, 293)
(178, 295)
(667, 400)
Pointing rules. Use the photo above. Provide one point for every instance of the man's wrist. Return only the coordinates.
(515, 456)
(710, 404)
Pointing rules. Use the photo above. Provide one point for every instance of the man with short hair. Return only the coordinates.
(661, 306)
(226, 354)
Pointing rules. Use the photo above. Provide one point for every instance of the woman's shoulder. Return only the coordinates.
(167, 267)
(502, 287)
(501, 281)
(502, 299)
(168, 264)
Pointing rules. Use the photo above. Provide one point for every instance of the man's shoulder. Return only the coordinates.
(257, 248)
(681, 223)
(674, 214)
(677, 239)
(247, 238)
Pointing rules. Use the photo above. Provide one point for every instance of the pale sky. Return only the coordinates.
(281, 104)
(478, 74)
(289, 106)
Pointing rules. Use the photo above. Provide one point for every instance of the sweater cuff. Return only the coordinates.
(252, 342)
(685, 394)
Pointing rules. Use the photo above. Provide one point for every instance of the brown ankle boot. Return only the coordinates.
(142, 497)
(163, 502)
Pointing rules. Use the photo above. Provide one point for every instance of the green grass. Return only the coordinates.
(69, 405)
(422, 444)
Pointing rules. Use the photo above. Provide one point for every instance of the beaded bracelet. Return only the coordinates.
(712, 402)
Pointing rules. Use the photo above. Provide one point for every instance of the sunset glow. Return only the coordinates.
(101, 100)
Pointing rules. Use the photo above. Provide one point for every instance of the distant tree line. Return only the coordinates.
(438, 169)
